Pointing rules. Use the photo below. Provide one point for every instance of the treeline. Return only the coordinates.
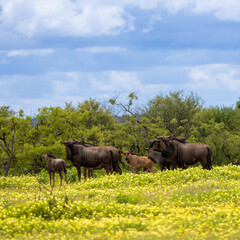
(24, 139)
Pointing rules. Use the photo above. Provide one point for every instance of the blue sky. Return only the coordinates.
(58, 51)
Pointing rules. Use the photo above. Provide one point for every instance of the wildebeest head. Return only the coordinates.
(152, 155)
(69, 149)
(126, 154)
(48, 156)
(157, 144)
(162, 144)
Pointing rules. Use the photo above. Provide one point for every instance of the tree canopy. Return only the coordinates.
(24, 139)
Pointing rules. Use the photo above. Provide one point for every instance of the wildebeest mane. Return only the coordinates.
(151, 144)
(132, 153)
(87, 144)
(155, 142)
(51, 155)
(179, 140)
(70, 145)
(83, 143)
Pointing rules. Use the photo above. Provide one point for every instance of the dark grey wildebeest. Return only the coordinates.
(55, 165)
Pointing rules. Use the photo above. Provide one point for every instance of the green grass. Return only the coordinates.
(182, 204)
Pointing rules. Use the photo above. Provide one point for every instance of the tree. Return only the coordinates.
(227, 115)
(238, 104)
(97, 116)
(220, 128)
(137, 130)
(176, 110)
(55, 124)
(12, 129)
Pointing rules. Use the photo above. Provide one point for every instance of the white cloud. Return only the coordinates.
(102, 49)
(126, 82)
(2, 84)
(153, 20)
(115, 81)
(3, 61)
(30, 92)
(215, 77)
(231, 79)
(226, 10)
(222, 9)
(30, 52)
(66, 84)
(98, 17)
(63, 18)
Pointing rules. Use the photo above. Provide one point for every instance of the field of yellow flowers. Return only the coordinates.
(181, 204)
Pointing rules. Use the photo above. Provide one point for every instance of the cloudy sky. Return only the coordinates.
(58, 51)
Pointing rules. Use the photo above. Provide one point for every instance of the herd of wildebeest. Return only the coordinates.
(168, 152)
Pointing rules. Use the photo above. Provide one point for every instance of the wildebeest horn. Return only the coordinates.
(181, 138)
(163, 137)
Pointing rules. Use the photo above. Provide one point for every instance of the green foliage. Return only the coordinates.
(229, 116)
(43, 177)
(52, 126)
(12, 136)
(72, 175)
(136, 131)
(219, 127)
(24, 140)
(176, 110)
(128, 198)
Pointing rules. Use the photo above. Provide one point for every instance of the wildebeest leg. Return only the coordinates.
(61, 177)
(162, 167)
(108, 169)
(66, 177)
(151, 170)
(53, 179)
(53, 175)
(165, 165)
(90, 173)
(173, 166)
(184, 166)
(168, 165)
(133, 169)
(79, 173)
(50, 177)
(65, 173)
(85, 173)
(118, 169)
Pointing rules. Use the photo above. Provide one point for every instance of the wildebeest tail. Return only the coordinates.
(209, 158)
(65, 169)
(120, 158)
(113, 162)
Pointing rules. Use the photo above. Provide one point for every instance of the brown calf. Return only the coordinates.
(138, 162)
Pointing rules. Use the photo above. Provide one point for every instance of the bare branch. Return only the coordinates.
(41, 183)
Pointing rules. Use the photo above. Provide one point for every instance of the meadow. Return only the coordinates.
(181, 204)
